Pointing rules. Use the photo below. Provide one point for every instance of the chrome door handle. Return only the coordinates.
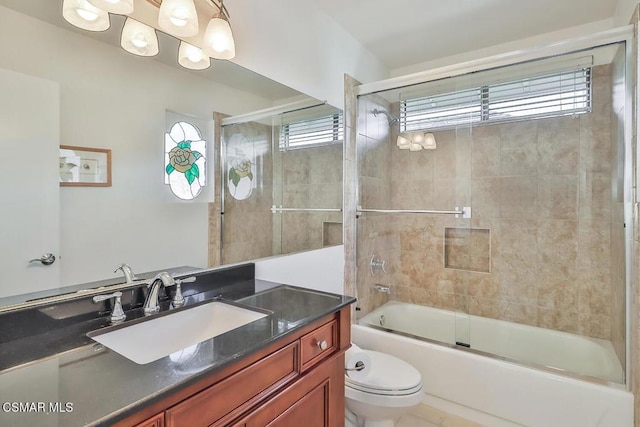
(46, 259)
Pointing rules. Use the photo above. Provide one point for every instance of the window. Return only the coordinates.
(550, 95)
(185, 160)
(312, 132)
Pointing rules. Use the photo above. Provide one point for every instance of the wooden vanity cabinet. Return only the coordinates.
(297, 381)
(155, 421)
(315, 401)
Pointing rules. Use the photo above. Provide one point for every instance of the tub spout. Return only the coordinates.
(383, 289)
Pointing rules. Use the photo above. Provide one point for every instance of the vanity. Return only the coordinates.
(284, 369)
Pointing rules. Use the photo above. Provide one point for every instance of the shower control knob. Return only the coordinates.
(323, 345)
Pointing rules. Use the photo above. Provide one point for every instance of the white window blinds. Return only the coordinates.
(549, 95)
(311, 132)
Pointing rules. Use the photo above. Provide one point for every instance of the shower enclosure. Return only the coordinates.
(500, 194)
(282, 183)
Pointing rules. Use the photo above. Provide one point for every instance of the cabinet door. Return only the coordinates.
(155, 421)
(316, 400)
(310, 411)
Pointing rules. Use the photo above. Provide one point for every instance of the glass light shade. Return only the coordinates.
(192, 57)
(178, 18)
(415, 147)
(218, 39)
(417, 138)
(429, 141)
(84, 15)
(401, 141)
(121, 7)
(138, 38)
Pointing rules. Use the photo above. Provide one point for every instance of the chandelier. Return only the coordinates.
(175, 17)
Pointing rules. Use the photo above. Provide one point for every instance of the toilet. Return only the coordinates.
(387, 392)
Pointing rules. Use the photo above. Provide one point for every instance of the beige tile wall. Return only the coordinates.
(247, 225)
(311, 178)
(617, 230)
(543, 189)
(375, 235)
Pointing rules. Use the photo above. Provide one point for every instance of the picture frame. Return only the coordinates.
(84, 166)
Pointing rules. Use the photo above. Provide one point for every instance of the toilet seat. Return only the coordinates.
(389, 376)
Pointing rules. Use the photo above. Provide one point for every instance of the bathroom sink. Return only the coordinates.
(154, 338)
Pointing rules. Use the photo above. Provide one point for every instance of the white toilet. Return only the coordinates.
(388, 391)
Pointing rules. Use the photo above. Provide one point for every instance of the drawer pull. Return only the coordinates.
(323, 345)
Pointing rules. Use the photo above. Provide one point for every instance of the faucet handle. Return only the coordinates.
(117, 314)
(186, 280)
(178, 299)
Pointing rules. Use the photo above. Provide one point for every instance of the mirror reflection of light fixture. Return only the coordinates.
(84, 15)
(138, 38)
(192, 57)
(121, 7)
(416, 141)
(178, 18)
(218, 40)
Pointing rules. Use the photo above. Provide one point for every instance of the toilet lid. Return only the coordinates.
(388, 375)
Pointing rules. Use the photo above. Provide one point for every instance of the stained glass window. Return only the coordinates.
(185, 160)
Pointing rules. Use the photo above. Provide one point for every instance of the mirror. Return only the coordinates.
(103, 97)
(282, 183)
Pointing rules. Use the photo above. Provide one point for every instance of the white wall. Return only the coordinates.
(111, 99)
(321, 269)
(530, 42)
(295, 43)
(624, 11)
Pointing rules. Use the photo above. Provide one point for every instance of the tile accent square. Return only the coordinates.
(467, 249)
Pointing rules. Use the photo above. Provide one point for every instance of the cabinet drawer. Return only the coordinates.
(238, 391)
(317, 345)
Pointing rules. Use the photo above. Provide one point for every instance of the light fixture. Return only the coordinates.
(403, 143)
(416, 141)
(178, 18)
(192, 57)
(138, 38)
(84, 15)
(429, 141)
(122, 7)
(218, 40)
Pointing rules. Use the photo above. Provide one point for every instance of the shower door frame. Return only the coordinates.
(353, 92)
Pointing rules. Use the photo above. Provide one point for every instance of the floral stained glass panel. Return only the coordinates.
(185, 160)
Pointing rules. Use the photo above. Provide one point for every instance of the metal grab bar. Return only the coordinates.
(465, 211)
(276, 209)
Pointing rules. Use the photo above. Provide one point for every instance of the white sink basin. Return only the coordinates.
(154, 339)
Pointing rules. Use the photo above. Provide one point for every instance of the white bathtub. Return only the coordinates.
(495, 392)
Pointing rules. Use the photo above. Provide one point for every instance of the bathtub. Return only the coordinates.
(494, 391)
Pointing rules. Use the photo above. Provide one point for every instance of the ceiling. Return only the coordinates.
(401, 33)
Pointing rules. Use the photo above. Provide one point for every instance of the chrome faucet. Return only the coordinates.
(129, 277)
(151, 305)
(382, 288)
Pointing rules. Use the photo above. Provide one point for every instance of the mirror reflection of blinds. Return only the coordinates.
(550, 95)
(314, 132)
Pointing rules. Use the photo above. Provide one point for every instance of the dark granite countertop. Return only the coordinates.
(92, 385)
